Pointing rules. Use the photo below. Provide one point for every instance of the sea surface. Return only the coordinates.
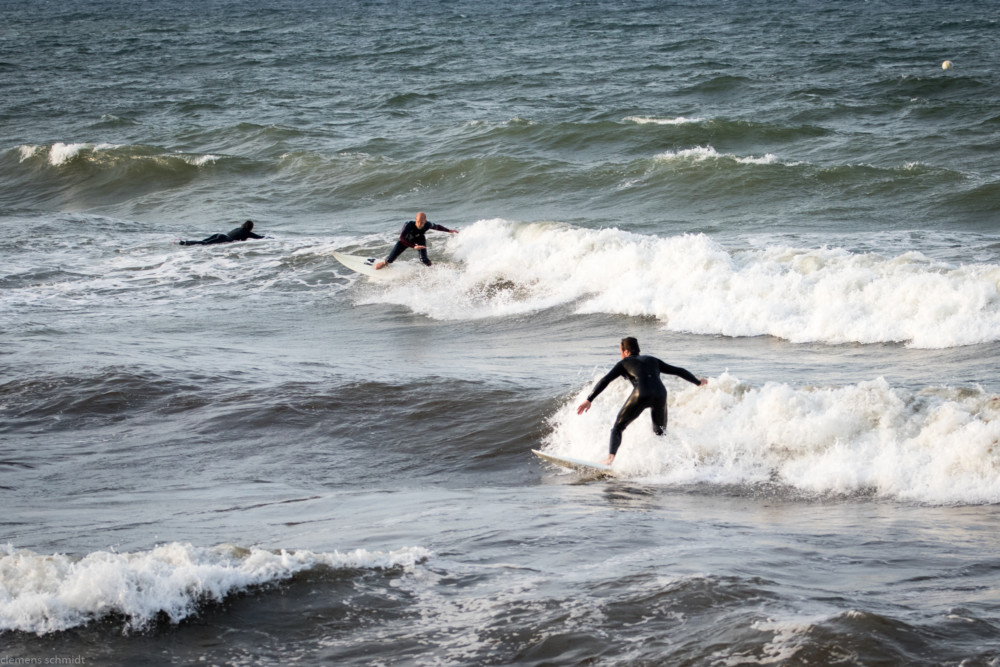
(246, 454)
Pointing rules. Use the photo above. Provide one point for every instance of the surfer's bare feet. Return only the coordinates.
(381, 265)
(607, 461)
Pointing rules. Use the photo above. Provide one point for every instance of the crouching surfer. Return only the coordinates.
(413, 236)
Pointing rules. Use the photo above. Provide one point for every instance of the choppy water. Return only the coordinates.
(246, 454)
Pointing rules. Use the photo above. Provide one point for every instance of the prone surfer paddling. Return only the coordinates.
(412, 236)
(241, 233)
(643, 371)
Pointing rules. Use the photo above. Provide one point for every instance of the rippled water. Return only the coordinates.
(247, 454)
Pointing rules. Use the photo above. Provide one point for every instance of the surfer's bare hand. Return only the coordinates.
(381, 265)
(583, 407)
(703, 382)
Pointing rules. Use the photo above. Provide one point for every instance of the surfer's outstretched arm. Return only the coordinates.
(682, 373)
(602, 384)
(441, 228)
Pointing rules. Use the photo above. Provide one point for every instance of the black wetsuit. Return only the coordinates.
(238, 234)
(643, 371)
(412, 236)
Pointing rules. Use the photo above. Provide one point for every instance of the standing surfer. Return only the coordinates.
(412, 236)
(643, 371)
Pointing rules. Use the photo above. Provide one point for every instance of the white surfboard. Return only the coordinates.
(365, 265)
(587, 467)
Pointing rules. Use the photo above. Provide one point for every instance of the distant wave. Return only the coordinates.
(691, 284)
(939, 445)
(82, 174)
(701, 153)
(644, 120)
(639, 162)
(41, 593)
(61, 154)
(633, 131)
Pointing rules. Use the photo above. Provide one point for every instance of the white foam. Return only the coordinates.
(496, 268)
(516, 120)
(938, 446)
(646, 120)
(704, 153)
(60, 153)
(154, 269)
(787, 637)
(27, 152)
(200, 160)
(43, 594)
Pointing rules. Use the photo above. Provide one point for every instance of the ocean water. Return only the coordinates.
(246, 454)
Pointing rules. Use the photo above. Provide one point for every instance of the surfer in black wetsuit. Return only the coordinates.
(643, 371)
(241, 233)
(412, 236)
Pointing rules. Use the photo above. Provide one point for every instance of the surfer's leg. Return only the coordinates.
(633, 408)
(215, 238)
(423, 256)
(396, 251)
(658, 411)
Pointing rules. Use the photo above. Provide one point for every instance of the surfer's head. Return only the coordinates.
(629, 346)
(421, 219)
(248, 225)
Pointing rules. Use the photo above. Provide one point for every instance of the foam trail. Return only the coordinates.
(496, 268)
(937, 446)
(44, 594)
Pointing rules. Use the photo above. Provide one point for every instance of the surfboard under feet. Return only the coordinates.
(591, 468)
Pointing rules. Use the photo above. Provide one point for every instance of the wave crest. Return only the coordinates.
(692, 284)
(44, 594)
(937, 445)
